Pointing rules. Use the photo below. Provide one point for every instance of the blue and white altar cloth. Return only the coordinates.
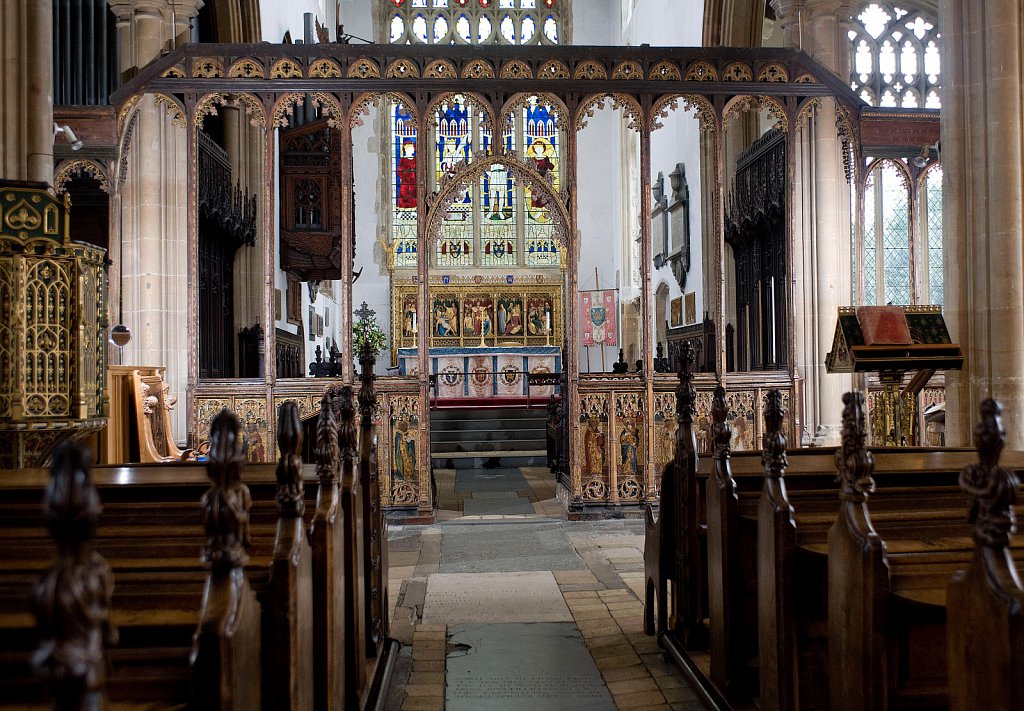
(497, 371)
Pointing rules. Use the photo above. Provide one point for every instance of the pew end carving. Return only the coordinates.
(985, 603)
(288, 609)
(225, 661)
(72, 599)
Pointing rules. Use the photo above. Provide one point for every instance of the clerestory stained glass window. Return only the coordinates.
(894, 56)
(474, 21)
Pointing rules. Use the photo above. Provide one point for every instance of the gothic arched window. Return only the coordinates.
(887, 274)
(474, 21)
(894, 56)
(496, 222)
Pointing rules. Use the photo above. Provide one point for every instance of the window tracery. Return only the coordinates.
(497, 221)
(474, 21)
(894, 56)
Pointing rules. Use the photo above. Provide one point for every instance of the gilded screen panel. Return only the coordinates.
(592, 446)
(630, 451)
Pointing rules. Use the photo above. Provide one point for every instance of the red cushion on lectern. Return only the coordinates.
(883, 325)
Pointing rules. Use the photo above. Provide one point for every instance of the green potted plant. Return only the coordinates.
(366, 329)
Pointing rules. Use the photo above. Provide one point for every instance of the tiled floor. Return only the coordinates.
(483, 577)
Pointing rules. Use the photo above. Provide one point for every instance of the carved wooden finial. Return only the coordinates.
(72, 599)
(327, 459)
(367, 393)
(721, 430)
(686, 393)
(290, 500)
(992, 489)
(226, 503)
(853, 460)
(773, 457)
(347, 440)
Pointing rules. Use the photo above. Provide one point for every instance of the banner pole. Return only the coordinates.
(597, 285)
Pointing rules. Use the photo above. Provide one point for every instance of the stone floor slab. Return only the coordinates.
(467, 480)
(506, 506)
(460, 598)
(506, 548)
(541, 667)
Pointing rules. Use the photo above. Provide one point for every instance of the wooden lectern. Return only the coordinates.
(891, 341)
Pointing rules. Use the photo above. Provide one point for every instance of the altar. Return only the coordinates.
(486, 372)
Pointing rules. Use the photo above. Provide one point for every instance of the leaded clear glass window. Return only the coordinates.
(931, 197)
(887, 273)
(894, 56)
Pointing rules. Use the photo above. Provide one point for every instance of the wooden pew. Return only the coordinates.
(887, 591)
(986, 602)
(674, 572)
(765, 537)
(155, 536)
(288, 610)
(71, 601)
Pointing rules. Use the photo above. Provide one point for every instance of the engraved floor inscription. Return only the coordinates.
(540, 667)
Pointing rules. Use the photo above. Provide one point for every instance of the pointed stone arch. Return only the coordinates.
(451, 185)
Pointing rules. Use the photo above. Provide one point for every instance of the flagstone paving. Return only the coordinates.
(498, 611)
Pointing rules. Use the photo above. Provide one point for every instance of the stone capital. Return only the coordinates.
(786, 10)
(185, 9)
(829, 8)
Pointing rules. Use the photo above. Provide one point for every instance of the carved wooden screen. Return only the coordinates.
(755, 227)
(311, 202)
(227, 220)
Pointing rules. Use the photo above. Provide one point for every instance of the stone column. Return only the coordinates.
(820, 248)
(26, 92)
(154, 210)
(983, 210)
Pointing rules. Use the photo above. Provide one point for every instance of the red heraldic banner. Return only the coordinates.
(597, 313)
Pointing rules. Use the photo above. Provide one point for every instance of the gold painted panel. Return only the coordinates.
(256, 433)
(404, 453)
(592, 444)
(467, 315)
(742, 417)
(631, 450)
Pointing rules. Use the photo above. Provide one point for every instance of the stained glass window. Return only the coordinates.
(499, 208)
(542, 152)
(403, 181)
(895, 219)
(933, 227)
(894, 56)
(497, 221)
(454, 130)
(870, 240)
